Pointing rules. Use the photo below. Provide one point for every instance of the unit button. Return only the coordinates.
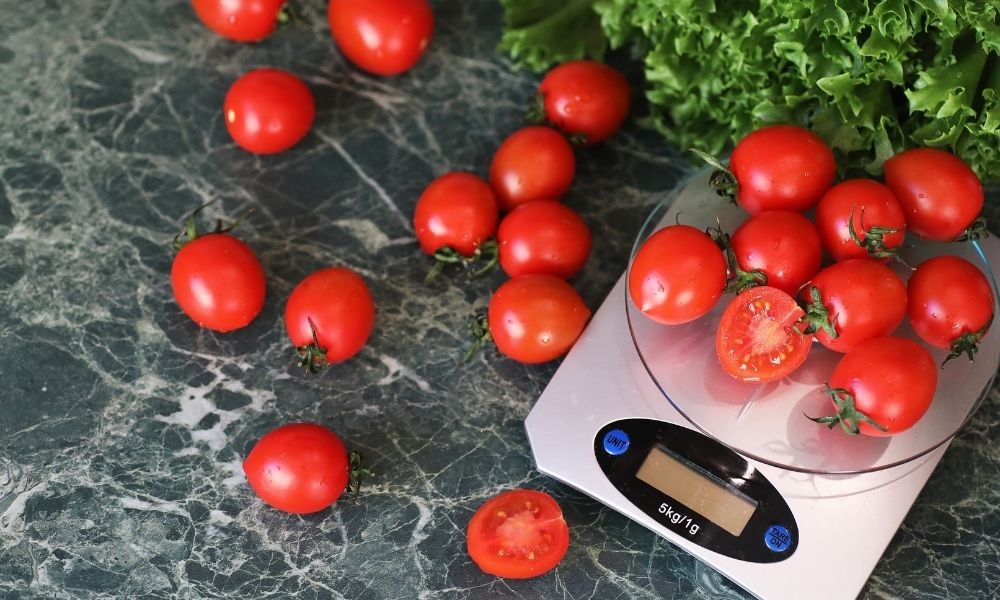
(777, 538)
(616, 442)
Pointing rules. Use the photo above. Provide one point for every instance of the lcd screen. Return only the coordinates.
(721, 504)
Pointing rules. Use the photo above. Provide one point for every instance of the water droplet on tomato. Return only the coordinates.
(232, 19)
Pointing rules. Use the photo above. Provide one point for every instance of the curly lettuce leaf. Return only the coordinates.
(542, 33)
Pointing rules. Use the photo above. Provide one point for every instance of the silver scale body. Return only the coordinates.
(847, 520)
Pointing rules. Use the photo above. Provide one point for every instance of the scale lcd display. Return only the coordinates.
(724, 505)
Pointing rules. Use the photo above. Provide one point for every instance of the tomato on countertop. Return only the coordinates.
(384, 37)
(585, 98)
(239, 20)
(268, 111)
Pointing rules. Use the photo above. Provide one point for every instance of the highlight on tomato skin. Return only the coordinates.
(759, 336)
(518, 534)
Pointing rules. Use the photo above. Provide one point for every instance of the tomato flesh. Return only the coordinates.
(759, 337)
(518, 534)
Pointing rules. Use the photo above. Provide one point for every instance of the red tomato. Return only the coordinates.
(950, 304)
(268, 111)
(586, 98)
(329, 316)
(882, 387)
(240, 20)
(218, 282)
(544, 238)
(518, 534)
(940, 195)
(781, 167)
(860, 299)
(533, 163)
(677, 276)
(759, 336)
(384, 37)
(782, 244)
(874, 213)
(300, 468)
(536, 318)
(458, 211)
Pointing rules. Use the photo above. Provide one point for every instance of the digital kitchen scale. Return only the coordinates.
(641, 417)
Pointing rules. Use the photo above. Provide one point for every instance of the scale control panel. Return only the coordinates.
(697, 488)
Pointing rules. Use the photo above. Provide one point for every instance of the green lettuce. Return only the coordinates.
(871, 76)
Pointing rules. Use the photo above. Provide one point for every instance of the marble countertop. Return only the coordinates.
(123, 425)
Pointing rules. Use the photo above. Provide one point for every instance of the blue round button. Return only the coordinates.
(778, 538)
(616, 442)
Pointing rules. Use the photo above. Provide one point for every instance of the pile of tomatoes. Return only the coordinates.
(540, 243)
(786, 298)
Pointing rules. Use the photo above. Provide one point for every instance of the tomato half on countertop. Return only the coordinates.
(759, 335)
(240, 20)
(882, 387)
(518, 534)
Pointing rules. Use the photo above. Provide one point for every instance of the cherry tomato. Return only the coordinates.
(860, 299)
(759, 336)
(533, 163)
(240, 20)
(781, 167)
(882, 387)
(677, 275)
(299, 468)
(335, 306)
(384, 37)
(536, 318)
(543, 237)
(874, 213)
(782, 244)
(586, 98)
(940, 195)
(218, 282)
(268, 111)
(458, 211)
(518, 534)
(950, 304)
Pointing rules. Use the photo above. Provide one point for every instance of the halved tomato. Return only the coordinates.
(759, 336)
(518, 534)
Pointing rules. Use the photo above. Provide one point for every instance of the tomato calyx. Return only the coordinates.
(536, 111)
(975, 231)
(312, 356)
(357, 472)
(739, 280)
(190, 231)
(874, 240)
(817, 317)
(488, 251)
(479, 329)
(722, 180)
(848, 416)
(967, 343)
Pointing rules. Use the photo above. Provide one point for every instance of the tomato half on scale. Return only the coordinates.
(853, 301)
(860, 218)
(543, 237)
(585, 98)
(217, 279)
(778, 167)
(518, 534)
(384, 37)
(533, 163)
(455, 219)
(950, 304)
(882, 387)
(329, 316)
(780, 244)
(302, 468)
(268, 111)
(941, 196)
(677, 275)
(759, 335)
(240, 20)
(536, 318)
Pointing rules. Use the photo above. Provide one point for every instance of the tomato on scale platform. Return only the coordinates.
(217, 280)
(268, 111)
(861, 218)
